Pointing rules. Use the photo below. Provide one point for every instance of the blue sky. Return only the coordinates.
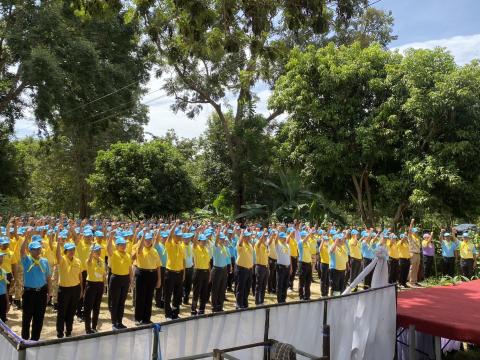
(453, 24)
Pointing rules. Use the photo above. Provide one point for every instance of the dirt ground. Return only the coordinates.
(158, 315)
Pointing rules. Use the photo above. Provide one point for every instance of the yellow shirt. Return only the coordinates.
(261, 253)
(340, 257)
(403, 250)
(120, 263)
(83, 250)
(467, 249)
(312, 243)
(96, 270)
(15, 245)
(175, 255)
(245, 255)
(129, 247)
(103, 250)
(7, 260)
(69, 272)
(355, 249)
(148, 259)
(392, 249)
(272, 252)
(324, 256)
(293, 247)
(48, 253)
(201, 257)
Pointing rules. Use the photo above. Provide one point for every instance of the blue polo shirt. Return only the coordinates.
(3, 282)
(221, 256)
(368, 250)
(162, 252)
(449, 247)
(35, 275)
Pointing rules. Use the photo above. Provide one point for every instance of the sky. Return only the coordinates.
(418, 23)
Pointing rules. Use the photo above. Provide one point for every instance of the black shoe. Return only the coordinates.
(121, 326)
(59, 336)
(138, 323)
(193, 313)
(147, 322)
(115, 327)
(90, 331)
(94, 331)
(68, 335)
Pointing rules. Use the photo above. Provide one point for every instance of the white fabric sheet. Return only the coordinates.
(299, 325)
(362, 326)
(202, 335)
(7, 350)
(135, 345)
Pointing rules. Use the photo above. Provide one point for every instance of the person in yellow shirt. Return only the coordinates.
(272, 267)
(305, 272)
(94, 288)
(261, 267)
(243, 269)
(83, 243)
(69, 287)
(323, 264)
(119, 283)
(393, 259)
(8, 261)
(147, 277)
(174, 272)
(201, 273)
(355, 255)
(338, 263)
(468, 256)
(403, 260)
(292, 242)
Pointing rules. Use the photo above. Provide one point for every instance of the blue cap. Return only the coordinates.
(247, 233)
(98, 233)
(95, 247)
(119, 240)
(178, 232)
(393, 236)
(37, 238)
(222, 236)
(202, 237)
(282, 235)
(325, 237)
(466, 234)
(414, 230)
(354, 232)
(39, 228)
(164, 234)
(2, 254)
(333, 232)
(208, 232)
(88, 233)
(69, 246)
(127, 233)
(148, 236)
(188, 235)
(259, 234)
(34, 245)
(4, 240)
(290, 229)
(447, 234)
(320, 232)
(193, 228)
(230, 231)
(303, 233)
(402, 236)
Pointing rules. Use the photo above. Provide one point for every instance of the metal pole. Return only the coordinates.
(326, 341)
(217, 354)
(438, 348)
(412, 353)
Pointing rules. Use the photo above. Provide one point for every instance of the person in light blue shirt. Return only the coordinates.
(449, 247)
(160, 247)
(368, 248)
(232, 250)
(188, 278)
(221, 258)
(4, 302)
(284, 265)
(36, 288)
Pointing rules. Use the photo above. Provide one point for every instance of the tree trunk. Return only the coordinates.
(369, 211)
(398, 214)
(83, 199)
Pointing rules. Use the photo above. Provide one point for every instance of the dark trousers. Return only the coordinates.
(145, 281)
(200, 290)
(68, 298)
(467, 267)
(219, 286)
(304, 280)
(187, 284)
(79, 309)
(449, 266)
(367, 282)
(324, 275)
(338, 280)
(117, 295)
(261, 278)
(160, 292)
(392, 270)
(230, 277)
(3, 307)
(33, 311)
(91, 303)
(355, 268)
(404, 265)
(272, 275)
(173, 288)
(283, 273)
(294, 261)
(244, 283)
(254, 280)
(427, 266)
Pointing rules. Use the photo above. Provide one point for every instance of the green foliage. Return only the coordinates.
(142, 180)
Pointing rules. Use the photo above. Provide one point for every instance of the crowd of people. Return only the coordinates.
(71, 264)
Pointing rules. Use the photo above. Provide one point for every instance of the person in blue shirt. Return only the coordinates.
(449, 248)
(368, 253)
(232, 249)
(188, 277)
(221, 258)
(160, 247)
(4, 303)
(36, 288)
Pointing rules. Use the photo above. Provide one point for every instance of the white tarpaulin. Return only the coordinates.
(134, 345)
(7, 350)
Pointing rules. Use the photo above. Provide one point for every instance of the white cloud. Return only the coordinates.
(463, 48)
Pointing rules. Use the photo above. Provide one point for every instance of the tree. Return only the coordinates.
(142, 179)
(215, 50)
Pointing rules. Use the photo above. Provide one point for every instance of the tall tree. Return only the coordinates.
(216, 50)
